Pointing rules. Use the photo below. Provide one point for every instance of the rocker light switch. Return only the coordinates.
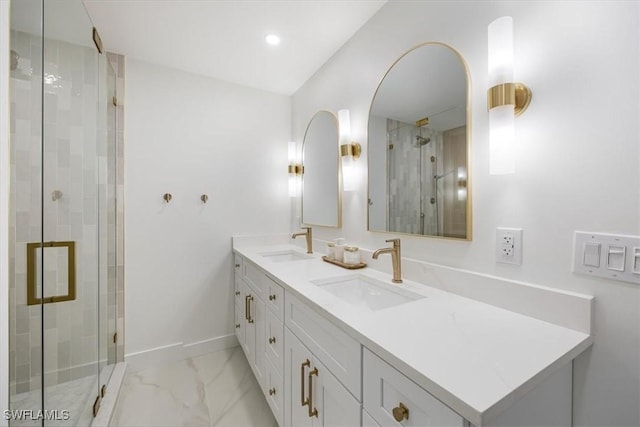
(591, 255)
(635, 266)
(616, 257)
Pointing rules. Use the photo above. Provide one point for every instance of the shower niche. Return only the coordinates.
(64, 237)
(419, 146)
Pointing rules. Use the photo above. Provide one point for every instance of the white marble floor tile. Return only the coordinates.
(233, 394)
(216, 389)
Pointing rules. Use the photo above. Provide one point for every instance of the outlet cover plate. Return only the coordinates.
(509, 245)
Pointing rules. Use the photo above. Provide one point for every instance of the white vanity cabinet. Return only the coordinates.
(314, 396)
(317, 369)
(259, 306)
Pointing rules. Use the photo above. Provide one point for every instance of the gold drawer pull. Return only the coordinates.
(272, 340)
(272, 297)
(303, 401)
(312, 412)
(401, 412)
(272, 391)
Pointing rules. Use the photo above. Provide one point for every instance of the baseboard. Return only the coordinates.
(176, 352)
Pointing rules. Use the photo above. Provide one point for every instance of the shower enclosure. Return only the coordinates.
(425, 169)
(63, 222)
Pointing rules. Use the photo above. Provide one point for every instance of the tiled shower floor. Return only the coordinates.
(216, 389)
(74, 396)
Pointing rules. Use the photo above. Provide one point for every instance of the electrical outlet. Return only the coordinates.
(509, 245)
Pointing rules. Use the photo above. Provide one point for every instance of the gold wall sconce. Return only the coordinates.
(167, 197)
(349, 151)
(295, 169)
(505, 99)
(204, 198)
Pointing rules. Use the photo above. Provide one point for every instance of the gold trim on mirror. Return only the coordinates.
(463, 186)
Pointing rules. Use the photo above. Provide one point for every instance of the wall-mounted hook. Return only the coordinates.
(204, 198)
(56, 195)
(167, 197)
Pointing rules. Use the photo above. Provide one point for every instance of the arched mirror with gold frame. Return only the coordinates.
(321, 196)
(419, 146)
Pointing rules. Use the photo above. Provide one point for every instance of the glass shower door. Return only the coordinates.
(71, 213)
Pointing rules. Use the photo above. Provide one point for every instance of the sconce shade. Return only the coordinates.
(294, 169)
(505, 99)
(500, 51)
(349, 151)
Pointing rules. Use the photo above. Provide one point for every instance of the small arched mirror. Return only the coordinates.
(419, 146)
(321, 202)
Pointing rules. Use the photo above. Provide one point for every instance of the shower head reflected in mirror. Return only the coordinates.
(421, 140)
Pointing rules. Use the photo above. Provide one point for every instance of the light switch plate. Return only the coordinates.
(617, 256)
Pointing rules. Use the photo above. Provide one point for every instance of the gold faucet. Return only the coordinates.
(395, 258)
(307, 235)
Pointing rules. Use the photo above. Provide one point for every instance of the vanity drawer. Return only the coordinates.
(253, 276)
(274, 296)
(237, 291)
(237, 260)
(339, 352)
(275, 392)
(386, 389)
(274, 345)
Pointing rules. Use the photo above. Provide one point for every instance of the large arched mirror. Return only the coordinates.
(321, 201)
(419, 146)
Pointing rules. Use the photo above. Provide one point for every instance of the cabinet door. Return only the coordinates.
(335, 405)
(259, 355)
(297, 361)
(249, 333)
(316, 397)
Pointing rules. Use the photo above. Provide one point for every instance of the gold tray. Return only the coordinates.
(343, 265)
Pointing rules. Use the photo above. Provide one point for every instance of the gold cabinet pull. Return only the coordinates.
(249, 299)
(312, 412)
(272, 297)
(272, 391)
(400, 412)
(303, 401)
(272, 340)
(246, 307)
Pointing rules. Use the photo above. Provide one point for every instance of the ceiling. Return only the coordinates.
(224, 39)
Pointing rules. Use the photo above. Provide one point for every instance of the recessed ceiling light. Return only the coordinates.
(272, 39)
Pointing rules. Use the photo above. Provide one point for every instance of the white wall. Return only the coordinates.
(4, 208)
(189, 135)
(578, 157)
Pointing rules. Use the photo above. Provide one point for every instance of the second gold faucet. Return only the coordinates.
(308, 236)
(395, 258)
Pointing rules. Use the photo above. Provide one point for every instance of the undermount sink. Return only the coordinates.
(366, 292)
(284, 256)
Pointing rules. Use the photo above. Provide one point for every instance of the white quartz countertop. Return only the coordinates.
(476, 358)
